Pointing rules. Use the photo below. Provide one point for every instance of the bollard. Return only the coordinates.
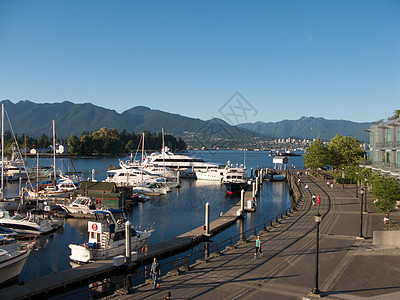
(207, 221)
(128, 241)
(256, 185)
(217, 249)
(242, 201)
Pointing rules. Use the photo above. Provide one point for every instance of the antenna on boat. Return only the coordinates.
(2, 149)
(54, 150)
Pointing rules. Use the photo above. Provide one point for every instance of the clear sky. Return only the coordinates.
(287, 59)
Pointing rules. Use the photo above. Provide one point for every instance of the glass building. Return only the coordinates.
(384, 140)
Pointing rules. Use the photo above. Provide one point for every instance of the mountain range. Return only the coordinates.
(35, 119)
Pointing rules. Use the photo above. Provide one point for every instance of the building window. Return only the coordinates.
(388, 135)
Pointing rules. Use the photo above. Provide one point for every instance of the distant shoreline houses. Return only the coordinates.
(384, 143)
(60, 149)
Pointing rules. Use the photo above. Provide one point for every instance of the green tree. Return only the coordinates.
(344, 151)
(75, 145)
(316, 156)
(387, 191)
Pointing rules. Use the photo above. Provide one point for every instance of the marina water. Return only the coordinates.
(171, 215)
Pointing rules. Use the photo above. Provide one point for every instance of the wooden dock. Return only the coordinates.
(60, 282)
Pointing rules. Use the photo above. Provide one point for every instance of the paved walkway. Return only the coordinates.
(347, 270)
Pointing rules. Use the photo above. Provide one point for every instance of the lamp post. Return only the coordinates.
(361, 214)
(365, 197)
(357, 186)
(315, 290)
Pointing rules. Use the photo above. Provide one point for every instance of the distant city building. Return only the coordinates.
(384, 143)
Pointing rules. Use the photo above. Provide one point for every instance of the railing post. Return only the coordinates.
(217, 249)
(176, 266)
(186, 264)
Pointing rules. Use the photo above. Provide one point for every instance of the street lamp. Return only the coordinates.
(357, 186)
(365, 189)
(361, 214)
(315, 290)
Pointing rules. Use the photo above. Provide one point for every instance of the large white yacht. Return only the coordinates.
(185, 164)
(131, 176)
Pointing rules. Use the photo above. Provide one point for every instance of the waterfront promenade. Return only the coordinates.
(349, 268)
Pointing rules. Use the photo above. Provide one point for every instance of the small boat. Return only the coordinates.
(213, 174)
(107, 237)
(31, 224)
(81, 205)
(155, 189)
(287, 152)
(12, 260)
(235, 180)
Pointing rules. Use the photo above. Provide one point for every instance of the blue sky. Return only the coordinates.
(287, 59)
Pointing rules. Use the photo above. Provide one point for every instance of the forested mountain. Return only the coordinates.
(74, 119)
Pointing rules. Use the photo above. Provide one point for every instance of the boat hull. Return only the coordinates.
(12, 262)
(236, 187)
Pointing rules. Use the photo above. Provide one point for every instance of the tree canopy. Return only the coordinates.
(387, 192)
(342, 151)
(316, 156)
(109, 142)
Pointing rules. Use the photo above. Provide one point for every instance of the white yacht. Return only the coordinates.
(236, 180)
(212, 174)
(185, 164)
(81, 205)
(131, 176)
(107, 237)
(31, 224)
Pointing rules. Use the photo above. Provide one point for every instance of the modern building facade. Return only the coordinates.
(384, 153)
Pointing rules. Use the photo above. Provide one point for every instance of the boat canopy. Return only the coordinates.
(113, 211)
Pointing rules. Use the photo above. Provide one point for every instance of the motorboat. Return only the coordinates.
(30, 224)
(81, 205)
(213, 174)
(155, 189)
(12, 260)
(131, 177)
(236, 180)
(286, 152)
(107, 237)
(185, 164)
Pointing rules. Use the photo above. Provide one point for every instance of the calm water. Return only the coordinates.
(172, 214)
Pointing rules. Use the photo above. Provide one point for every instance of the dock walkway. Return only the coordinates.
(347, 268)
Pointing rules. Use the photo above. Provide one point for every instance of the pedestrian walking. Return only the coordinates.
(318, 199)
(258, 247)
(313, 199)
(168, 297)
(306, 187)
(155, 272)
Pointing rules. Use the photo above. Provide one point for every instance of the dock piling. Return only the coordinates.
(207, 220)
(128, 241)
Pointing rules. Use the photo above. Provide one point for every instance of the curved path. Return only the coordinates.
(286, 270)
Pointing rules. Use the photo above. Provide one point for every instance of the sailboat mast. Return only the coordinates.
(54, 150)
(142, 147)
(2, 148)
